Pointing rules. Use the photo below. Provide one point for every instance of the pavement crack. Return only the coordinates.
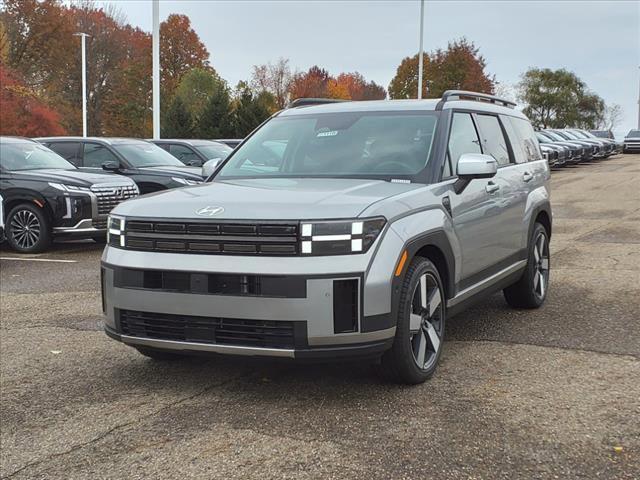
(121, 426)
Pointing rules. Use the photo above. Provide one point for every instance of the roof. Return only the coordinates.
(187, 141)
(399, 106)
(107, 140)
(16, 140)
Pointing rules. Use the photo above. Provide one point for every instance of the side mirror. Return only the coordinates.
(210, 167)
(111, 166)
(472, 166)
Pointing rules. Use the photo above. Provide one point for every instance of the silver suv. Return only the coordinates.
(352, 229)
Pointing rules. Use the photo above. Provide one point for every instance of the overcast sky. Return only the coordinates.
(599, 41)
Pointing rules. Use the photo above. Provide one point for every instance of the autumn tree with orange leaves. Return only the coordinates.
(459, 67)
(318, 83)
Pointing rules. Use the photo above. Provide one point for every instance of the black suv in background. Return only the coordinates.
(194, 153)
(44, 196)
(152, 168)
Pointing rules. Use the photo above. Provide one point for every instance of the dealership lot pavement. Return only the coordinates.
(518, 394)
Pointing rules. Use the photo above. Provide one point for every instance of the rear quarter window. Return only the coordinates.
(524, 142)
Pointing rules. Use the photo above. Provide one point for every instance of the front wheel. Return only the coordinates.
(28, 229)
(417, 346)
(531, 290)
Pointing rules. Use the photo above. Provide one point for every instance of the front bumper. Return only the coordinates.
(85, 227)
(335, 352)
(209, 303)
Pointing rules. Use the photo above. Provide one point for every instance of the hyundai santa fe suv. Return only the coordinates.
(45, 197)
(352, 229)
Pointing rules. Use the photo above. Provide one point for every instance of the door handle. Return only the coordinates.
(492, 187)
(527, 177)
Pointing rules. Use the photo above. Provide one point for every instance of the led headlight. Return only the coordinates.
(340, 237)
(69, 188)
(116, 231)
(185, 181)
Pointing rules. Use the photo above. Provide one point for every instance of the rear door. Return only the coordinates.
(513, 192)
(530, 172)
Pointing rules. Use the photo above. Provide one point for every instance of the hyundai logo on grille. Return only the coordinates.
(118, 192)
(209, 211)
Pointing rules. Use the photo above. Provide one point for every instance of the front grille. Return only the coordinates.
(211, 237)
(213, 330)
(110, 196)
(100, 224)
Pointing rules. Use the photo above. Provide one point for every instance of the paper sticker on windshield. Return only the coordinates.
(331, 133)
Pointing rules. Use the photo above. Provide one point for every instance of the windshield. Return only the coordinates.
(578, 134)
(634, 134)
(147, 155)
(30, 156)
(381, 145)
(542, 138)
(211, 152)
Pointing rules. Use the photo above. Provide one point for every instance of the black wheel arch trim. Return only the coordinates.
(542, 207)
(437, 239)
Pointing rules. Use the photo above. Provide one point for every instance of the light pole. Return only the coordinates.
(421, 54)
(156, 69)
(83, 37)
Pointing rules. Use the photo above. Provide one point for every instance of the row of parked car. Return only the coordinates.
(66, 186)
(571, 146)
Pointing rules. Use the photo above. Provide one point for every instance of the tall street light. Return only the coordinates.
(420, 61)
(83, 37)
(156, 69)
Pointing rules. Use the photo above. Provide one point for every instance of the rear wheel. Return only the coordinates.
(160, 355)
(28, 229)
(417, 346)
(531, 290)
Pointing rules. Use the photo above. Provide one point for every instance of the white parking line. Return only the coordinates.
(23, 259)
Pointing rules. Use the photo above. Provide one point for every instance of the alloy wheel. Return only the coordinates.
(426, 321)
(25, 229)
(541, 265)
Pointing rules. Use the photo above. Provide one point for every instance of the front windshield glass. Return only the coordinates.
(381, 145)
(30, 156)
(634, 134)
(214, 151)
(543, 138)
(147, 155)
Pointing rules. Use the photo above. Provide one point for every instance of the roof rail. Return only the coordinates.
(305, 102)
(450, 95)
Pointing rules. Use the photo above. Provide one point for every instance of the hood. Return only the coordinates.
(267, 199)
(192, 173)
(71, 177)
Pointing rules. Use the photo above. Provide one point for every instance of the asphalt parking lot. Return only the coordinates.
(553, 393)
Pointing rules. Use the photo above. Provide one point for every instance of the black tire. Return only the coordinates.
(28, 229)
(160, 355)
(427, 313)
(531, 290)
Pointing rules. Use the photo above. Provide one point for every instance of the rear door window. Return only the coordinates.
(68, 150)
(462, 139)
(493, 141)
(95, 155)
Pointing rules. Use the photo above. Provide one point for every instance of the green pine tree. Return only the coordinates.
(177, 122)
(216, 120)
